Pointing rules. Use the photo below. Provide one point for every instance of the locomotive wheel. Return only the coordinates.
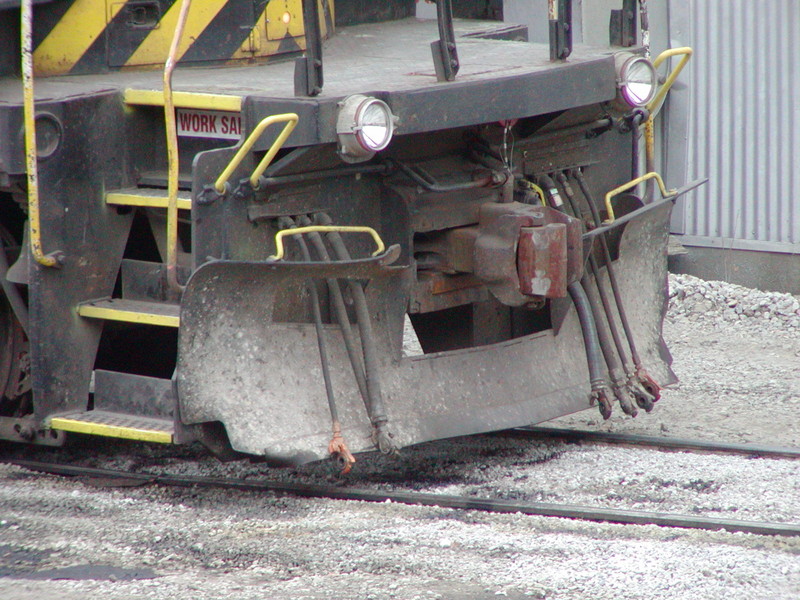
(15, 383)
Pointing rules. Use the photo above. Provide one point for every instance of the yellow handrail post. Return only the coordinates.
(654, 106)
(172, 152)
(29, 115)
(289, 118)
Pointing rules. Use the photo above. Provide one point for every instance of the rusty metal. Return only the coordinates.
(338, 449)
(496, 257)
(542, 260)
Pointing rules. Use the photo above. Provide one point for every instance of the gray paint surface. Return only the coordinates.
(743, 113)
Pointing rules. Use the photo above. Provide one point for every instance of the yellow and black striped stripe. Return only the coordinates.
(91, 36)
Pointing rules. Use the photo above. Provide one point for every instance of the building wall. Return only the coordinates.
(743, 113)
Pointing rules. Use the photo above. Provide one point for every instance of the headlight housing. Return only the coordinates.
(365, 126)
(636, 80)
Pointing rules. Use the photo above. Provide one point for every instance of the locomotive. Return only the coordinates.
(302, 228)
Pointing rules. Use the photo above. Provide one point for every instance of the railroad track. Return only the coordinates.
(576, 435)
(470, 503)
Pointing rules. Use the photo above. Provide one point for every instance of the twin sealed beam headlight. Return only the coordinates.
(365, 126)
(636, 79)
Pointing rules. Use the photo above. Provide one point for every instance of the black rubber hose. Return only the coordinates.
(613, 364)
(378, 413)
(594, 350)
(315, 311)
(594, 357)
(342, 317)
(611, 275)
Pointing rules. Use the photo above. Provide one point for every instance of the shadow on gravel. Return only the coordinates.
(85, 572)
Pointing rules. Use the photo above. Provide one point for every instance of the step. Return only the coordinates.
(159, 179)
(116, 425)
(129, 393)
(132, 311)
(193, 100)
(148, 197)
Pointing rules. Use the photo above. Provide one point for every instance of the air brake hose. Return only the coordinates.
(337, 445)
(646, 389)
(591, 342)
(378, 416)
(594, 359)
(341, 316)
(615, 370)
(607, 257)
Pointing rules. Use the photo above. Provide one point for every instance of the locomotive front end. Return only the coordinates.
(425, 229)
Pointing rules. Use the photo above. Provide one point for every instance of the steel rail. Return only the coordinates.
(608, 437)
(585, 513)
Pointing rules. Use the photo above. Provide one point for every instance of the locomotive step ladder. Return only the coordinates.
(147, 198)
(165, 314)
(146, 312)
(117, 425)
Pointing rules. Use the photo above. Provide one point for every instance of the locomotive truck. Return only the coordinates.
(302, 228)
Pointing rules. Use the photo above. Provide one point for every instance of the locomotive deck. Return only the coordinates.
(393, 57)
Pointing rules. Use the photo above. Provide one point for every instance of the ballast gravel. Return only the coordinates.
(740, 381)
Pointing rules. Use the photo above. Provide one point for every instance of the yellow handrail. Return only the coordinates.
(291, 121)
(29, 116)
(632, 184)
(280, 250)
(172, 152)
(686, 53)
(654, 106)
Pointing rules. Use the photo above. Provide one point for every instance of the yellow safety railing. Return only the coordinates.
(632, 184)
(29, 116)
(658, 100)
(685, 53)
(291, 121)
(172, 151)
(280, 250)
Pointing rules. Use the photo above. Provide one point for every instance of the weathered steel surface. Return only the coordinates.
(262, 378)
(76, 220)
(542, 260)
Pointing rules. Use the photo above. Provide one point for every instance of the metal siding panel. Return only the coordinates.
(744, 113)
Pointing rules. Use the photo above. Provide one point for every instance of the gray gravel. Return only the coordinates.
(739, 382)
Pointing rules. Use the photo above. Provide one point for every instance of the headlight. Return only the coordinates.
(636, 79)
(365, 126)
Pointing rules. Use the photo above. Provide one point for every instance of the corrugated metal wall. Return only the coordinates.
(743, 104)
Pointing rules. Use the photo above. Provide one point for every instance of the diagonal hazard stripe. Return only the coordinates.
(154, 49)
(219, 39)
(72, 36)
(45, 20)
(112, 50)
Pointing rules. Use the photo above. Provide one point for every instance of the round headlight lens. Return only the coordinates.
(374, 127)
(365, 126)
(637, 81)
